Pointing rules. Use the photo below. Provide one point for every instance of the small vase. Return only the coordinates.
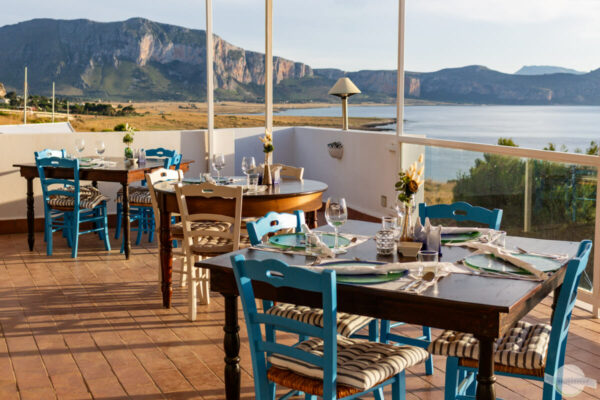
(267, 177)
(407, 209)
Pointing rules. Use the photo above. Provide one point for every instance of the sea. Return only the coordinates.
(528, 126)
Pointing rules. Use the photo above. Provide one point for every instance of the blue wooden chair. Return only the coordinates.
(459, 211)
(331, 366)
(50, 153)
(273, 222)
(140, 205)
(540, 356)
(67, 205)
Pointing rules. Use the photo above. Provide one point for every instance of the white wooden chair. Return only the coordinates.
(290, 172)
(202, 241)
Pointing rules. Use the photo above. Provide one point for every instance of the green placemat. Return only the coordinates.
(365, 279)
(460, 237)
(298, 242)
(488, 262)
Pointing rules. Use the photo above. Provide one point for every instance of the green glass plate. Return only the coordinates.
(488, 262)
(365, 279)
(460, 237)
(296, 241)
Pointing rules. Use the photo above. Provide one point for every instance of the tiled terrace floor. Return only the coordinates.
(94, 328)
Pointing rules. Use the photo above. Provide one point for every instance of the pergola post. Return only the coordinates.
(268, 66)
(210, 105)
(400, 81)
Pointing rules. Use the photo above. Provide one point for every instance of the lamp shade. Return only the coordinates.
(344, 87)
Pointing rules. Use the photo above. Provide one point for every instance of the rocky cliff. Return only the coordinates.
(135, 58)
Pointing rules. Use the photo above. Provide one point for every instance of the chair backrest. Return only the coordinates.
(210, 191)
(276, 273)
(290, 172)
(50, 153)
(274, 222)
(55, 186)
(160, 152)
(564, 308)
(154, 177)
(173, 161)
(461, 211)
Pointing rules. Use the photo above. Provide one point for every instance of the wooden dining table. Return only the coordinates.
(287, 196)
(484, 306)
(119, 173)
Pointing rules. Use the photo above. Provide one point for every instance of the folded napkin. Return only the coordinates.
(428, 234)
(323, 248)
(506, 255)
(358, 269)
(462, 229)
(103, 163)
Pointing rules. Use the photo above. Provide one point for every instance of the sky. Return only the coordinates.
(362, 34)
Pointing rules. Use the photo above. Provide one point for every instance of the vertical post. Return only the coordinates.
(345, 113)
(596, 267)
(527, 197)
(53, 99)
(67, 111)
(400, 80)
(25, 98)
(210, 104)
(269, 66)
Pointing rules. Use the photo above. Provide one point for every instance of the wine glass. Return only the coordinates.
(218, 163)
(79, 146)
(100, 149)
(336, 214)
(248, 164)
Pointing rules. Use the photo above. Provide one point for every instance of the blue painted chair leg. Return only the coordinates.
(310, 397)
(119, 220)
(141, 223)
(374, 330)
(399, 387)
(75, 235)
(429, 361)
(151, 224)
(451, 383)
(105, 230)
(48, 234)
(385, 330)
(67, 230)
(378, 394)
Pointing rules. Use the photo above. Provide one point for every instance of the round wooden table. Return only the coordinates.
(289, 195)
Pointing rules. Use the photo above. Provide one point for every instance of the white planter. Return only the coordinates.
(336, 152)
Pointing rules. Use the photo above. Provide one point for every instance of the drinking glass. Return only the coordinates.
(386, 242)
(218, 163)
(312, 243)
(253, 182)
(336, 214)
(426, 256)
(389, 223)
(500, 239)
(79, 146)
(100, 149)
(248, 164)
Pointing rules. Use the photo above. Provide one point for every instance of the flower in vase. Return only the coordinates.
(410, 181)
(267, 141)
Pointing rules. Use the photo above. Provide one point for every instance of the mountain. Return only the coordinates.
(136, 58)
(140, 59)
(545, 70)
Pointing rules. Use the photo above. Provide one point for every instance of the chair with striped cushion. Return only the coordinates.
(204, 235)
(347, 324)
(530, 351)
(459, 211)
(140, 203)
(67, 204)
(327, 365)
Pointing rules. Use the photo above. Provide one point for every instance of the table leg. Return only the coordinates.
(311, 219)
(95, 184)
(485, 375)
(231, 343)
(166, 257)
(30, 215)
(126, 221)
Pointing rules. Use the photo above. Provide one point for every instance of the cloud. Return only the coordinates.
(512, 11)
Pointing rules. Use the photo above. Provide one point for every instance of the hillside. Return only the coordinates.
(545, 70)
(143, 60)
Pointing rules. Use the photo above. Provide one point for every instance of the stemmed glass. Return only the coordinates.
(100, 149)
(218, 163)
(336, 214)
(248, 164)
(79, 146)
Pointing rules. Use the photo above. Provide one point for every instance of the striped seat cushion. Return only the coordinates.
(524, 346)
(89, 197)
(347, 324)
(361, 364)
(219, 226)
(137, 195)
(217, 245)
